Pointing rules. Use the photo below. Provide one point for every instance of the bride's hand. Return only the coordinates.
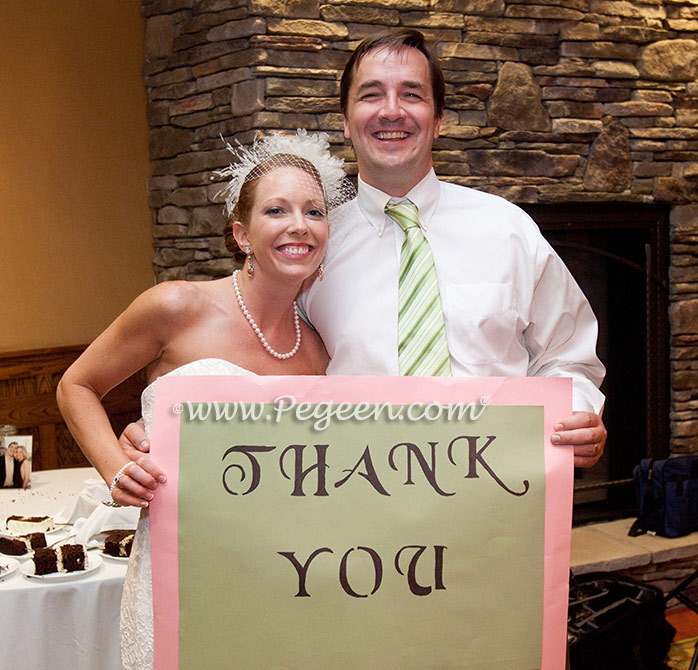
(137, 484)
(134, 441)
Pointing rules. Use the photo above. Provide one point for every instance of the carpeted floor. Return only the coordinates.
(686, 623)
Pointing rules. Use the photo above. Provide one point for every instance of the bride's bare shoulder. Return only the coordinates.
(174, 299)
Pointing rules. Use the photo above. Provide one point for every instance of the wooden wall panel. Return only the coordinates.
(28, 381)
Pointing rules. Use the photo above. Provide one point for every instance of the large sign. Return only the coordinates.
(328, 522)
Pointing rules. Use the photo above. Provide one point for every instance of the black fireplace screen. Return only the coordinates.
(619, 255)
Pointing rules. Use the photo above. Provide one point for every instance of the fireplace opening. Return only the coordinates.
(619, 255)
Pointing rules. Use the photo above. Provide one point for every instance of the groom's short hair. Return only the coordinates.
(395, 40)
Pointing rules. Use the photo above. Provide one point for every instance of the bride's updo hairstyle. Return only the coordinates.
(310, 153)
(242, 209)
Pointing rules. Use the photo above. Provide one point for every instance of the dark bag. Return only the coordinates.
(616, 623)
(667, 496)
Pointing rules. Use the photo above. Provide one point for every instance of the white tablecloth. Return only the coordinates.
(71, 625)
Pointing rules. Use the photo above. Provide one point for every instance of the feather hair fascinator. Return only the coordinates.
(313, 148)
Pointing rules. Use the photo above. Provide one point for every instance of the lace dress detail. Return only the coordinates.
(137, 596)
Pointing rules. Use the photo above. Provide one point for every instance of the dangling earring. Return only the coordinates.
(249, 269)
(320, 271)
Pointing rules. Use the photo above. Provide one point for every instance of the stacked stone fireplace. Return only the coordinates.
(580, 103)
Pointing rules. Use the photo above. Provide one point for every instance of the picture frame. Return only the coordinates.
(15, 461)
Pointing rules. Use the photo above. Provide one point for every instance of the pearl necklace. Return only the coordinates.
(258, 330)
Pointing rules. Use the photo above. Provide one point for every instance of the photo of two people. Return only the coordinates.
(15, 461)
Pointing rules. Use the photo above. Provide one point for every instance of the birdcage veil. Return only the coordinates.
(293, 150)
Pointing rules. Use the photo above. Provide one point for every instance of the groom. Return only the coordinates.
(508, 306)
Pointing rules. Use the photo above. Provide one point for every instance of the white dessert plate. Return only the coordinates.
(116, 559)
(93, 562)
(8, 566)
(19, 557)
(57, 528)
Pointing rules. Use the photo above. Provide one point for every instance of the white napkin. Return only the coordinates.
(92, 495)
(90, 517)
(103, 519)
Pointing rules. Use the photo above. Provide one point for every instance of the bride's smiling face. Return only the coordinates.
(287, 228)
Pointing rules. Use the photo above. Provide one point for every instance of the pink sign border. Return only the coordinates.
(554, 394)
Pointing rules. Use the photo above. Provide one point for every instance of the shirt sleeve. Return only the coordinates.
(562, 331)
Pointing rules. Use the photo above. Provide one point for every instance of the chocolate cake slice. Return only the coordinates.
(21, 525)
(36, 540)
(65, 558)
(18, 546)
(73, 557)
(13, 546)
(119, 542)
(45, 561)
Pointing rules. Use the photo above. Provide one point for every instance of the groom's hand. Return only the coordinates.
(586, 433)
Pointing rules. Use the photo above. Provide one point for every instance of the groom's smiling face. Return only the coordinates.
(390, 119)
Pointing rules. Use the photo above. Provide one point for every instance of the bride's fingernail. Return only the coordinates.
(149, 496)
(162, 479)
(144, 504)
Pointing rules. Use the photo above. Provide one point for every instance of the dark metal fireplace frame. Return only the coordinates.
(591, 235)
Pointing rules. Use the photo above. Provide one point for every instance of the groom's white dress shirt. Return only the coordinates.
(511, 307)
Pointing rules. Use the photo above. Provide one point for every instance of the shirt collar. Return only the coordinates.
(425, 195)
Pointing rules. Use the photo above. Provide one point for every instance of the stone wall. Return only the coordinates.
(547, 101)
(666, 576)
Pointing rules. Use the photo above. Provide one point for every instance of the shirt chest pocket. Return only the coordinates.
(482, 322)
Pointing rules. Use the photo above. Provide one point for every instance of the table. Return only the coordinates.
(71, 624)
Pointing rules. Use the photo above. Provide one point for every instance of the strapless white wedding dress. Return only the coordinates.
(137, 597)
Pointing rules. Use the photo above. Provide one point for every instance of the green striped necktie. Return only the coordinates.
(422, 346)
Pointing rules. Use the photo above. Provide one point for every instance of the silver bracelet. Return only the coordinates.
(118, 475)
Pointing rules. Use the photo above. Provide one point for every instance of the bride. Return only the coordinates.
(280, 198)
